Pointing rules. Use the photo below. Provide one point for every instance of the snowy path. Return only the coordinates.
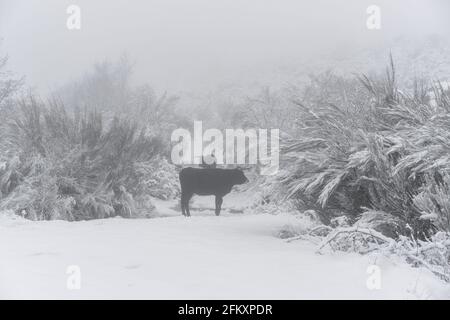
(205, 257)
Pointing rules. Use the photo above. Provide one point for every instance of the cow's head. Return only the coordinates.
(239, 176)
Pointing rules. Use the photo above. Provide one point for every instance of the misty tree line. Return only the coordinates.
(357, 146)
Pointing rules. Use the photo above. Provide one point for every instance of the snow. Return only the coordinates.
(233, 256)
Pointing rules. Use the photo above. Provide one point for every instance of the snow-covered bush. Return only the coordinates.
(300, 225)
(434, 202)
(67, 167)
(382, 149)
(432, 253)
(158, 178)
(387, 224)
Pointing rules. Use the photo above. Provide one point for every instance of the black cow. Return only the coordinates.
(206, 182)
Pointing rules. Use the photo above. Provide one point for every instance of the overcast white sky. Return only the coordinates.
(189, 44)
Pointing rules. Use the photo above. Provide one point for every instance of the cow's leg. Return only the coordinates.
(185, 203)
(183, 206)
(219, 201)
(183, 209)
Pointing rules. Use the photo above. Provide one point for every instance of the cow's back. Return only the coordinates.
(207, 181)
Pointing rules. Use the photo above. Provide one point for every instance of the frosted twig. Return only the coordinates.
(332, 236)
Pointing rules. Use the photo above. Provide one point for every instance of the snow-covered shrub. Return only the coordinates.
(97, 206)
(300, 225)
(66, 167)
(387, 224)
(144, 206)
(158, 178)
(434, 202)
(265, 194)
(432, 254)
(372, 147)
(270, 206)
(340, 222)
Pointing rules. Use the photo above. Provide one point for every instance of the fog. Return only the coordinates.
(194, 45)
(249, 147)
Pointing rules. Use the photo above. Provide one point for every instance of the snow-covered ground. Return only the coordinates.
(234, 256)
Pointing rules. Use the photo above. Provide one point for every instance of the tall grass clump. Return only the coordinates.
(374, 148)
(76, 166)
